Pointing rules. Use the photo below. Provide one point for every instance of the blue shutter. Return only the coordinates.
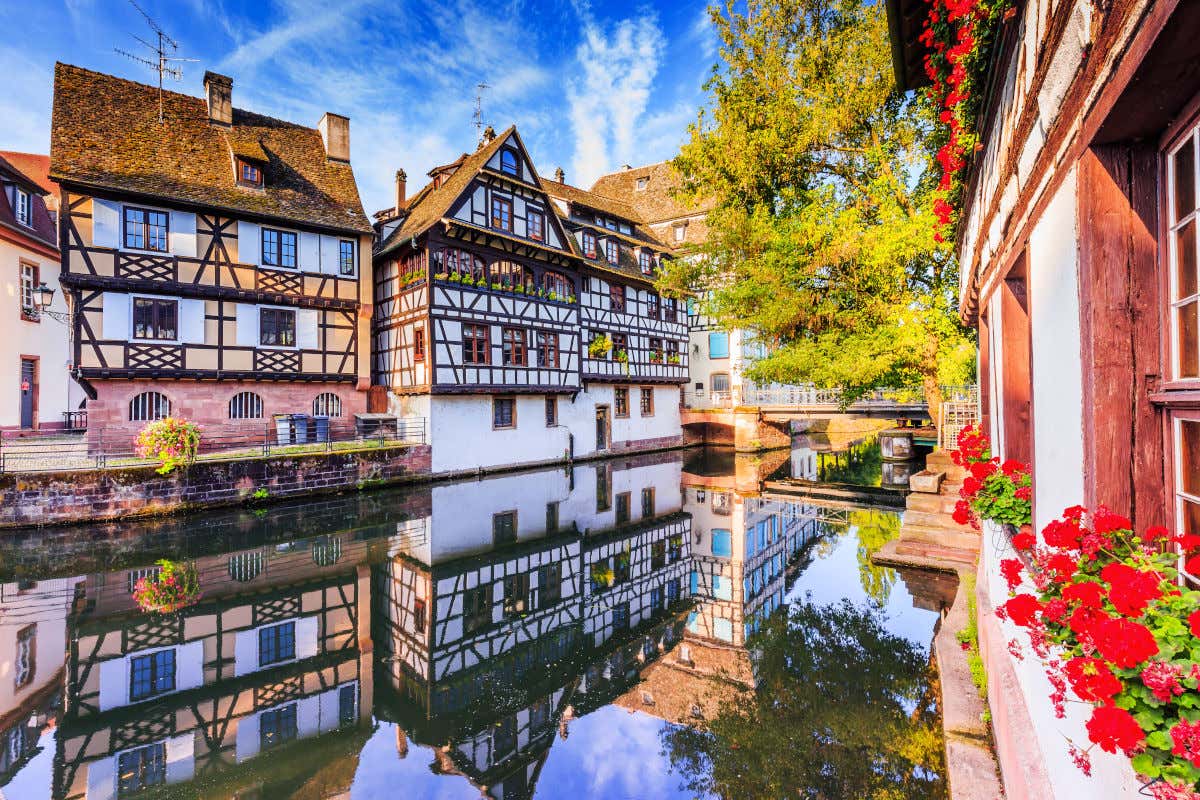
(722, 543)
(718, 345)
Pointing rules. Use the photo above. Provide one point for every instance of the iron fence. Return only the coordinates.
(100, 448)
(806, 395)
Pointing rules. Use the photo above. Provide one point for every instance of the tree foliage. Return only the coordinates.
(821, 235)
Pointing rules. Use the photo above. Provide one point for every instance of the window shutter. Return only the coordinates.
(191, 321)
(183, 233)
(306, 637)
(114, 321)
(106, 223)
(329, 709)
(190, 658)
(310, 252)
(329, 255)
(248, 740)
(102, 779)
(114, 683)
(181, 757)
(306, 328)
(247, 325)
(249, 243)
(308, 716)
(245, 654)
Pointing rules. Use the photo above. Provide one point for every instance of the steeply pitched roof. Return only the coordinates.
(105, 134)
(41, 229)
(593, 200)
(655, 203)
(35, 166)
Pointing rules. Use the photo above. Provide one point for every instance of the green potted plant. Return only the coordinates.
(673, 358)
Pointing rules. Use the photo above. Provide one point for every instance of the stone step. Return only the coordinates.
(932, 503)
(934, 519)
(937, 553)
(941, 461)
(940, 536)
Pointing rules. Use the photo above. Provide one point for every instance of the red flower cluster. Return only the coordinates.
(1092, 680)
(1114, 729)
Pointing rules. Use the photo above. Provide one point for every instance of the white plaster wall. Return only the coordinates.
(1057, 369)
(47, 339)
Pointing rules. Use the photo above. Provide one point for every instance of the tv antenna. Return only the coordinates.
(479, 89)
(164, 59)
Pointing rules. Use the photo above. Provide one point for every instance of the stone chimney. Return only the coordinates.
(489, 135)
(401, 189)
(219, 90)
(335, 133)
(559, 175)
(626, 167)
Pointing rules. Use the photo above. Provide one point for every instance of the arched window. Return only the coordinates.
(245, 567)
(327, 404)
(508, 163)
(245, 405)
(462, 263)
(149, 406)
(511, 275)
(326, 551)
(558, 285)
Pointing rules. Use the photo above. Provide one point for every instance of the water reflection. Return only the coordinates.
(534, 634)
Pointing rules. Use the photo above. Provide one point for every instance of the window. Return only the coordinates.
(670, 309)
(557, 286)
(30, 280)
(675, 548)
(1185, 267)
(1187, 477)
(510, 276)
(608, 222)
(277, 327)
(621, 401)
(672, 590)
(647, 401)
(245, 405)
(680, 232)
(504, 412)
(508, 162)
(419, 343)
(141, 768)
(151, 674)
(539, 718)
(477, 608)
(620, 344)
(502, 213)
(327, 404)
(536, 225)
(552, 516)
(722, 543)
(23, 664)
(623, 508)
(648, 502)
(155, 319)
(24, 208)
(652, 306)
(589, 244)
(641, 183)
(277, 644)
(278, 248)
(347, 706)
(458, 262)
(646, 261)
(516, 595)
(504, 527)
(146, 229)
(547, 349)
(504, 740)
(656, 598)
(512, 347)
(656, 350)
(612, 251)
(419, 615)
(551, 412)
(616, 297)
(277, 726)
(602, 489)
(720, 382)
(621, 617)
(249, 174)
(346, 257)
(476, 349)
(149, 406)
(718, 345)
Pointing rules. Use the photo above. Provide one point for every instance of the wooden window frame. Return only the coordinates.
(623, 507)
(159, 398)
(503, 205)
(29, 313)
(255, 182)
(514, 347)
(621, 402)
(589, 244)
(1171, 228)
(513, 421)
(1181, 498)
(477, 619)
(246, 401)
(612, 251)
(648, 499)
(533, 213)
(502, 533)
(515, 172)
(419, 614)
(280, 249)
(547, 349)
(156, 304)
(551, 411)
(653, 306)
(670, 309)
(616, 298)
(646, 400)
(26, 634)
(23, 199)
(343, 261)
(145, 224)
(646, 262)
(475, 346)
(552, 518)
(419, 343)
(275, 313)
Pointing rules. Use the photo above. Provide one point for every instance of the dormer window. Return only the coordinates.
(641, 183)
(589, 244)
(249, 173)
(680, 232)
(612, 251)
(23, 208)
(645, 261)
(508, 163)
(610, 223)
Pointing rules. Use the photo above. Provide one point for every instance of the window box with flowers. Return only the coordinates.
(173, 587)
(600, 346)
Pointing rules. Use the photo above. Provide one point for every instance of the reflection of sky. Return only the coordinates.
(34, 780)
(381, 773)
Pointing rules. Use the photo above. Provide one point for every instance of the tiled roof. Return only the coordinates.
(592, 200)
(105, 134)
(42, 230)
(656, 202)
(35, 166)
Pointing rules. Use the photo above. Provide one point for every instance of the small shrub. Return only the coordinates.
(172, 441)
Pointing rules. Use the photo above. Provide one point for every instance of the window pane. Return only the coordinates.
(143, 318)
(1191, 518)
(1189, 456)
(1185, 260)
(1185, 180)
(1189, 341)
(166, 319)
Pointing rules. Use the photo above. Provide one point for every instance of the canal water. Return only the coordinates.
(643, 627)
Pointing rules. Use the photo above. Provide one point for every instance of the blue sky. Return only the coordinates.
(590, 86)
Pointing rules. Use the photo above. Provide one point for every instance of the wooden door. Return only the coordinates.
(602, 428)
(29, 390)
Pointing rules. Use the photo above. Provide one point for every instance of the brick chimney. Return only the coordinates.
(335, 133)
(219, 91)
(401, 187)
(559, 175)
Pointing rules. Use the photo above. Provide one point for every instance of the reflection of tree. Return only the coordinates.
(860, 464)
(843, 709)
(875, 529)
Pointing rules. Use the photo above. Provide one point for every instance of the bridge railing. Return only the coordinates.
(807, 395)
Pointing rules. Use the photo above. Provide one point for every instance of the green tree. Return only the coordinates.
(821, 236)
(843, 709)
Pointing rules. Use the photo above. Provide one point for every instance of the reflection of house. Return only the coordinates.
(277, 650)
(482, 625)
(33, 646)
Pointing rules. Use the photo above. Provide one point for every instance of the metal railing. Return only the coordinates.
(101, 448)
(806, 395)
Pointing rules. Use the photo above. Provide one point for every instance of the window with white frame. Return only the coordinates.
(30, 279)
(23, 663)
(345, 257)
(1187, 474)
(327, 404)
(1184, 276)
(24, 207)
(149, 406)
(246, 405)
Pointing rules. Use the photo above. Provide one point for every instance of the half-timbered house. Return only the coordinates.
(482, 296)
(217, 261)
(277, 651)
(1077, 241)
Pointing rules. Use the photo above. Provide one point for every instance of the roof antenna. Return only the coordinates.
(479, 88)
(164, 54)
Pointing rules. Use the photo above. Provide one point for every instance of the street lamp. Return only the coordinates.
(45, 296)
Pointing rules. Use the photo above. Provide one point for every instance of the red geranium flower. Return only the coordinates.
(1083, 621)
(1114, 729)
(1054, 610)
(1155, 532)
(1132, 589)
(962, 512)
(1063, 534)
(1023, 493)
(1022, 609)
(1126, 644)
(1194, 623)
(1013, 467)
(1105, 521)
(1024, 540)
(1092, 680)
(1162, 678)
(1088, 595)
(1185, 739)
(1061, 567)
(1010, 568)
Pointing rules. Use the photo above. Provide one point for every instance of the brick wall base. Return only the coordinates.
(50, 498)
(657, 443)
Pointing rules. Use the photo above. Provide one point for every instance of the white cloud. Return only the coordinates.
(24, 103)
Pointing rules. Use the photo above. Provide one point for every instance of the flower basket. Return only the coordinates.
(174, 587)
(600, 346)
(173, 442)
